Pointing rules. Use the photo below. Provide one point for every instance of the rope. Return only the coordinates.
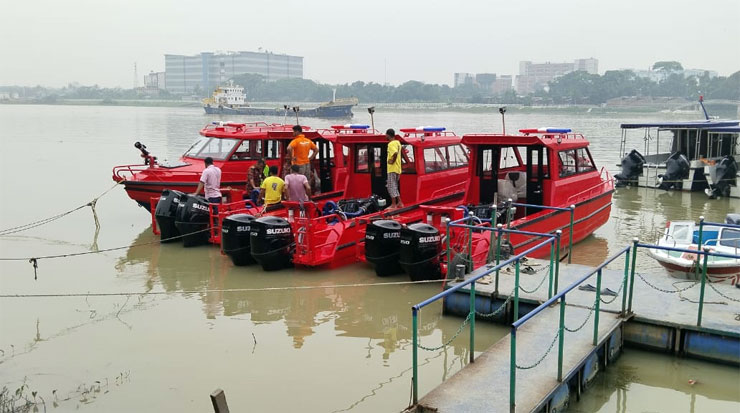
(220, 290)
(31, 225)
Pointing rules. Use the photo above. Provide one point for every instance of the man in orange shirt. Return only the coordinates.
(299, 151)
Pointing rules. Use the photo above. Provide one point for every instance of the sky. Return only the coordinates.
(53, 43)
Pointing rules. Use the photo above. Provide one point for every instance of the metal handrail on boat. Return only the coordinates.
(606, 180)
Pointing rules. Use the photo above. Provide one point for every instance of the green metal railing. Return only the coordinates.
(561, 326)
(551, 239)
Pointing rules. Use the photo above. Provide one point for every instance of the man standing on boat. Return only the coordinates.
(255, 176)
(272, 188)
(299, 150)
(393, 169)
(296, 185)
(210, 180)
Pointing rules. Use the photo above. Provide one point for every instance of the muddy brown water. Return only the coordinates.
(186, 321)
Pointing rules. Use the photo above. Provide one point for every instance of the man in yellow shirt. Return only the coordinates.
(394, 169)
(299, 150)
(272, 188)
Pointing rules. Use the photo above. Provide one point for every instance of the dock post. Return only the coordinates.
(624, 282)
(703, 283)
(218, 399)
(699, 243)
(512, 372)
(498, 252)
(414, 352)
(570, 235)
(558, 234)
(561, 338)
(632, 271)
(472, 321)
(516, 290)
(596, 306)
(470, 243)
(447, 240)
(552, 268)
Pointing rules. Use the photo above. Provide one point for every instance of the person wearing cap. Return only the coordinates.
(393, 169)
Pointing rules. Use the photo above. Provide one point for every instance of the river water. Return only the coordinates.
(159, 342)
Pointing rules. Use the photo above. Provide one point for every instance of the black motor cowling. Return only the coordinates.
(271, 240)
(382, 242)
(725, 176)
(165, 214)
(235, 238)
(420, 251)
(733, 219)
(632, 165)
(193, 214)
(677, 168)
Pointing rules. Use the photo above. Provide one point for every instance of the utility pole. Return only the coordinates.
(136, 77)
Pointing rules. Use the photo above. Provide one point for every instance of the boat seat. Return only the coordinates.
(514, 186)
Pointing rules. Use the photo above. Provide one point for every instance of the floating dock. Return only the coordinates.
(663, 315)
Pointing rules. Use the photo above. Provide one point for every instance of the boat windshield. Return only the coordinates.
(216, 148)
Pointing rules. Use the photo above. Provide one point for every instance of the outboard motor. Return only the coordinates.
(235, 238)
(725, 175)
(632, 165)
(271, 240)
(382, 242)
(361, 206)
(193, 214)
(677, 169)
(165, 214)
(419, 255)
(733, 219)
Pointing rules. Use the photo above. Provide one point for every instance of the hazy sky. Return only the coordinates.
(56, 42)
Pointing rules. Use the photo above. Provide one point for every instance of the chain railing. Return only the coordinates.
(560, 296)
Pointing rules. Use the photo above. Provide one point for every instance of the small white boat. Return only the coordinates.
(685, 235)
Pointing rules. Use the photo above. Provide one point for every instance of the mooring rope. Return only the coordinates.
(219, 290)
(34, 224)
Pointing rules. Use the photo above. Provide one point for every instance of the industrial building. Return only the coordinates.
(201, 73)
(489, 82)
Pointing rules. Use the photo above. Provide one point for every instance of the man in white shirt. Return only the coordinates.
(210, 179)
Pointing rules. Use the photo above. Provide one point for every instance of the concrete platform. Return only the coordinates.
(483, 386)
(659, 321)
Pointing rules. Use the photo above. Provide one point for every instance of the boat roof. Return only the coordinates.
(407, 136)
(694, 124)
(555, 140)
(257, 131)
(725, 129)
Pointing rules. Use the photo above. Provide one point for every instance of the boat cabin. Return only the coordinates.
(433, 162)
(238, 145)
(549, 167)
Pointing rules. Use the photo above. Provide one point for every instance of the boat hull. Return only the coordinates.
(720, 270)
(338, 111)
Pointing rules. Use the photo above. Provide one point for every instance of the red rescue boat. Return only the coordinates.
(329, 233)
(234, 147)
(528, 182)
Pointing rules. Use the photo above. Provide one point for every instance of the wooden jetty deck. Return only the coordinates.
(659, 320)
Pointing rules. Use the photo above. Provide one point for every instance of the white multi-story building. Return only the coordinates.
(534, 76)
(206, 71)
(464, 79)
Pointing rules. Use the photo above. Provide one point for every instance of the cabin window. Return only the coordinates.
(583, 160)
(485, 169)
(730, 238)
(216, 148)
(362, 160)
(567, 163)
(248, 150)
(408, 166)
(536, 162)
(345, 153)
(378, 162)
(458, 156)
(435, 159)
(272, 149)
(511, 157)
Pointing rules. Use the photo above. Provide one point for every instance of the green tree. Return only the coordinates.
(668, 65)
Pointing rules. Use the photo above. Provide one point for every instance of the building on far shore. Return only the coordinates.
(489, 82)
(534, 76)
(155, 80)
(202, 73)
